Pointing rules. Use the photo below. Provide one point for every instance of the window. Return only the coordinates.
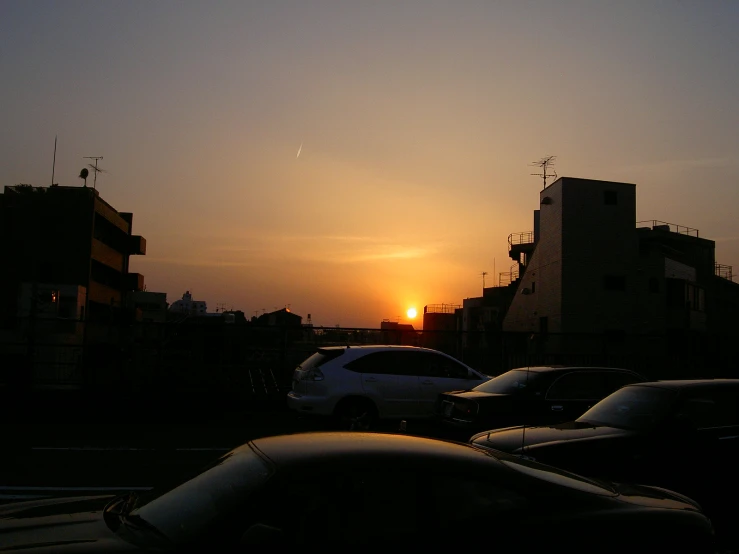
(515, 381)
(710, 409)
(543, 325)
(581, 385)
(615, 380)
(638, 408)
(610, 197)
(426, 364)
(361, 507)
(386, 363)
(614, 282)
(695, 297)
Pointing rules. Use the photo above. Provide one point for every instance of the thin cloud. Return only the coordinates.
(683, 164)
(196, 262)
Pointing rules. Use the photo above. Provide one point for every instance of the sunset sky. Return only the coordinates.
(418, 121)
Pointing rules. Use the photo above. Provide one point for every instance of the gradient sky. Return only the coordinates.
(418, 120)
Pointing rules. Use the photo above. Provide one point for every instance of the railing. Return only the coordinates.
(527, 237)
(724, 271)
(508, 277)
(441, 308)
(657, 225)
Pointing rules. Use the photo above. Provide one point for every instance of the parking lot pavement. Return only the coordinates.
(124, 454)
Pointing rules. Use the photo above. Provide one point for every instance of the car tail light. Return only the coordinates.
(314, 375)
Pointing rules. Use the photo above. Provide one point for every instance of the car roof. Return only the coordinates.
(376, 347)
(321, 446)
(563, 368)
(681, 384)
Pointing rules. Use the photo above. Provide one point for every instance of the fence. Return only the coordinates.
(213, 364)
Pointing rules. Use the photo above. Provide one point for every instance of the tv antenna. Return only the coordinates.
(483, 279)
(545, 164)
(95, 169)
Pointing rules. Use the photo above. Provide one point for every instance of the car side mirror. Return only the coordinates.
(259, 533)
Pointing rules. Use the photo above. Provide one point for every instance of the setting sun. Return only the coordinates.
(411, 313)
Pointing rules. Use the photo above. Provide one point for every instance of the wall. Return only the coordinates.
(599, 242)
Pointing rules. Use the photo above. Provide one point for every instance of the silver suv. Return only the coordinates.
(359, 384)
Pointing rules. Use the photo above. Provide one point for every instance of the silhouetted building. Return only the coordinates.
(280, 318)
(189, 306)
(440, 327)
(591, 268)
(394, 332)
(150, 306)
(69, 242)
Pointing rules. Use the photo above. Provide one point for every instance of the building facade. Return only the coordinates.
(61, 238)
(593, 269)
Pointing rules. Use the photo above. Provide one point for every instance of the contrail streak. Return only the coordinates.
(299, 149)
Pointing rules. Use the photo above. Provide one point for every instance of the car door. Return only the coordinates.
(570, 395)
(437, 374)
(713, 418)
(389, 382)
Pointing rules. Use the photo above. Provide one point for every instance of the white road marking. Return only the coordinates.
(126, 449)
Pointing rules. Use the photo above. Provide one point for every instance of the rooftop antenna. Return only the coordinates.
(483, 279)
(53, 165)
(545, 164)
(95, 169)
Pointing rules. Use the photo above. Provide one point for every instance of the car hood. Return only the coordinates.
(513, 439)
(59, 525)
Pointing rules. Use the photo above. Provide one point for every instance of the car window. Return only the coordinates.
(428, 364)
(361, 507)
(581, 385)
(515, 381)
(617, 379)
(182, 513)
(387, 363)
(633, 407)
(706, 409)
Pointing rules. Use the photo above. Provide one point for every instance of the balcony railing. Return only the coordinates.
(508, 277)
(441, 308)
(527, 237)
(725, 272)
(657, 225)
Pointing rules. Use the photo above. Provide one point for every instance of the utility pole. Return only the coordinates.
(545, 164)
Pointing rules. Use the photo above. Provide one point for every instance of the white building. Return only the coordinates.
(189, 306)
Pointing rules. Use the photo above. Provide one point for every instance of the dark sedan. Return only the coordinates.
(531, 396)
(683, 435)
(363, 490)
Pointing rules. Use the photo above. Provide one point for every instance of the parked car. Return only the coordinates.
(360, 384)
(683, 435)
(536, 395)
(367, 490)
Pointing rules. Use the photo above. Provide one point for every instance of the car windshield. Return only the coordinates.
(635, 408)
(183, 512)
(511, 382)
